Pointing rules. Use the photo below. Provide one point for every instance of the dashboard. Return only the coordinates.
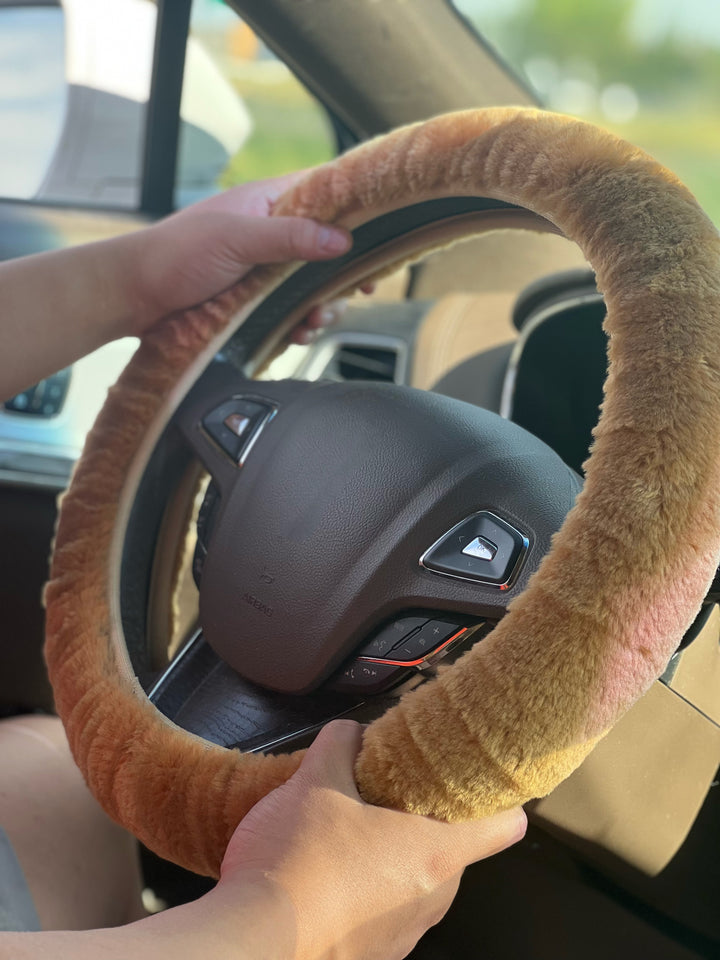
(43, 429)
(549, 379)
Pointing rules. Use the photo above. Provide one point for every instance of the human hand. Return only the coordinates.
(361, 882)
(312, 873)
(59, 306)
(207, 247)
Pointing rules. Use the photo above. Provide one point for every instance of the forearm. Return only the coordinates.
(56, 307)
(255, 924)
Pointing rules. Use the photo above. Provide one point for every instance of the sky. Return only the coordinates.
(691, 19)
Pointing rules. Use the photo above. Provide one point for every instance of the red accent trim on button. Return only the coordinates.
(415, 663)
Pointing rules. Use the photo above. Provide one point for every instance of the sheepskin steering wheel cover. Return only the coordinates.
(609, 603)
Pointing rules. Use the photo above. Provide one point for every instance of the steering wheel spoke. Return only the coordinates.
(223, 417)
(202, 694)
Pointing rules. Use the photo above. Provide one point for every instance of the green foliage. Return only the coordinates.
(290, 131)
(598, 32)
(675, 76)
(602, 33)
(678, 86)
(688, 144)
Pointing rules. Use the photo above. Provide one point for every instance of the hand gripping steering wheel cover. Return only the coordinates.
(608, 605)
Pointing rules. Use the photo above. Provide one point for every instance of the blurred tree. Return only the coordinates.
(566, 30)
(577, 51)
(578, 33)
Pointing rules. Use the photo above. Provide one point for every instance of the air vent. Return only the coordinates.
(366, 363)
(357, 356)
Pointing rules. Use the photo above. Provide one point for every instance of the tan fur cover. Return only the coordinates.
(608, 606)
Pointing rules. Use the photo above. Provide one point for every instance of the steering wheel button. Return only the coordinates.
(235, 423)
(391, 636)
(367, 677)
(480, 548)
(483, 547)
(425, 640)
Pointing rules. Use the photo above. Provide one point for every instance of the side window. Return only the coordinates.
(74, 86)
(108, 65)
(244, 115)
(33, 96)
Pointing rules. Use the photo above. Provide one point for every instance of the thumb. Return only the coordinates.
(331, 758)
(279, 239)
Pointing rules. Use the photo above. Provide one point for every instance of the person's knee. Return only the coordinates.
(81, 867)
(44, 731)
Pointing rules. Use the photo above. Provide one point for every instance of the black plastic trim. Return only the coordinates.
(162, 122)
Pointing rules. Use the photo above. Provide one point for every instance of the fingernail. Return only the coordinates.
(332, 240)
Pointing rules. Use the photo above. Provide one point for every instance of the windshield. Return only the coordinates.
(649, 70)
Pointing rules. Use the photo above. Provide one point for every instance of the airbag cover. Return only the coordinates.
(349, 485)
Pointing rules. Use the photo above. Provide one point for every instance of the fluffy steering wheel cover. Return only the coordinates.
(610, 602)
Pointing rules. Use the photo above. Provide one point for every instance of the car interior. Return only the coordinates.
(620, 858)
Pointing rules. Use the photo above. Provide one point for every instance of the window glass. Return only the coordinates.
(647, 69)
(244, 114)
(108, 65)
(74, 86)
(32, 96)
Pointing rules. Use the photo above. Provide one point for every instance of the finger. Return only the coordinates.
(254, 198)
(330, 761)
(260, 195)
(276, 186)
(303, 336)
(318, 319)
(280, 239)
(326, 315)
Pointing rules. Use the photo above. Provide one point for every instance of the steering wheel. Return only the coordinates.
(358, 539)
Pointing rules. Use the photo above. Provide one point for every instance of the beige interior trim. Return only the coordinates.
(504, 261)
(171, 565)
(697, 676)
(458, 327)
(485, 274)
(637, 795)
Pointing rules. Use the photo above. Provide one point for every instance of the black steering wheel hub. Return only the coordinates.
(329, 500)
